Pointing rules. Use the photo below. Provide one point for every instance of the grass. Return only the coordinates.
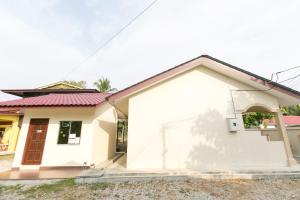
(49, 188)
(13, 188)
(68, 184)
(44, 189)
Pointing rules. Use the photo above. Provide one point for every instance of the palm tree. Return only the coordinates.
(103, 85)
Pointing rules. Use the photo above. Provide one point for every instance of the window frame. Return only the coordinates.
(59, 129)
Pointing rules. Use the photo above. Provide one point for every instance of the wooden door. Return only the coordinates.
(35, 142)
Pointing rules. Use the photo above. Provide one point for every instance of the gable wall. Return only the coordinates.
(181, 123)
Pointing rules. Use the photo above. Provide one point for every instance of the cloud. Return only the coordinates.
(29, 57)
(253, 36)
(40, 45)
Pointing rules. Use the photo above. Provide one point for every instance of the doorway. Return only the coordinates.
(35, 142)
(121, 140)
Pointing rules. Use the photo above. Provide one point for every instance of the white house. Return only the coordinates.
(188, 117)
(178, 119)
(68, 130)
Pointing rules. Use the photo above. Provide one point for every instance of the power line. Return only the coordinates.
(253, 90)
(76, 67)
(295, 84)
(296, 81)
(292, 78)
(291, 82)
(288, 69)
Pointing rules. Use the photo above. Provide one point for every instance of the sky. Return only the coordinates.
(42, 42)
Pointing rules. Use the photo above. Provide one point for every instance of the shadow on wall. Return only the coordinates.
(211, 147)
(215, 147)
(164, 132)
(204, 133)
(108, 127)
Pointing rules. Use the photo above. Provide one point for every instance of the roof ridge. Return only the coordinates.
(162, 75)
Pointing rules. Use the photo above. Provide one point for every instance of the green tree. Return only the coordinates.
(81, 84)
(291, 110)
(255, 119)
(103, 85)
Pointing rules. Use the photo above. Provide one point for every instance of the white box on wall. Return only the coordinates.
(233, 125)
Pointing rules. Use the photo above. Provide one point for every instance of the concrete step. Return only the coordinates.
(107, 163)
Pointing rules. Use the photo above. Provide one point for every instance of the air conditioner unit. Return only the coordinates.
(233, 125)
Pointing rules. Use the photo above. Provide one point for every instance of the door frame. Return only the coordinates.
(28, 139)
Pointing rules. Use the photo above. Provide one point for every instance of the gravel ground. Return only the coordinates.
(189, 189)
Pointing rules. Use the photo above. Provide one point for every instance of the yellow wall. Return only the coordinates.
(61, 86)
(11, 132)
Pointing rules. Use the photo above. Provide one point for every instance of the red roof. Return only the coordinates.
(58, 100)
(291, 120)
(288, 120)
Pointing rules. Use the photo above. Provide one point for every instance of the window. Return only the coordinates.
(69, 132)
(2, 130)
(3, 144)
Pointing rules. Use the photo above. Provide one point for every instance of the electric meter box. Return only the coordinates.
(233, 125)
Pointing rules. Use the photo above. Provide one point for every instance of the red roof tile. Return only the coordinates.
(288, 120)
(60, 100)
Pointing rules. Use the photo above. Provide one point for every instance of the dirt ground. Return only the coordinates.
(188, 189)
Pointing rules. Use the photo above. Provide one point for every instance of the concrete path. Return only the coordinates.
(140, 177)
(112, 175)
(60, 173)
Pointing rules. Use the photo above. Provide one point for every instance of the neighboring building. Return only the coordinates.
(11, 118)
(55, 88)
(60, 85)
(290, 121)
(188, 117)
(292, 124)
(65, 130)
(10, 123)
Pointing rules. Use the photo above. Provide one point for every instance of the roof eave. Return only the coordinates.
(201, 60)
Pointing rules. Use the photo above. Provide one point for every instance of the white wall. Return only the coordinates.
(65, 154)
(294, 138)
(181, 124)
(293, 135)
(105, 130)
